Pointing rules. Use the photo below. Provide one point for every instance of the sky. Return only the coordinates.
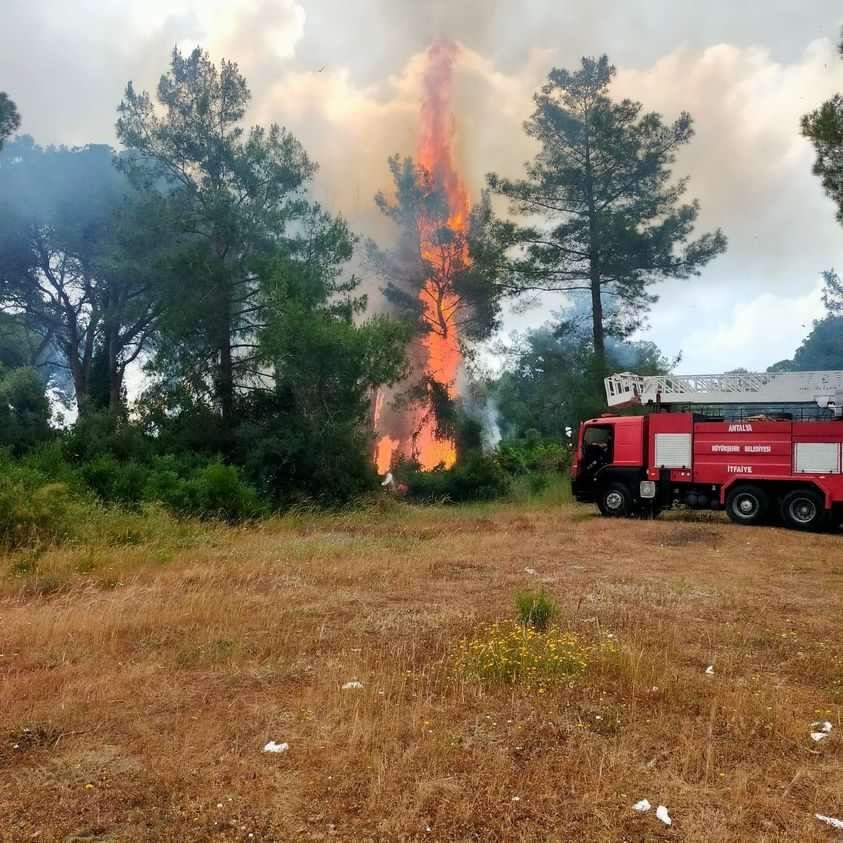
(345, 78)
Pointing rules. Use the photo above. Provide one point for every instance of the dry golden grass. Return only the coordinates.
(140, 683)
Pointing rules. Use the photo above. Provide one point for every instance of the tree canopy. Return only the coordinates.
(77, 262)
(822, 349)
(234, 195)
(824, 127)
(549, 383)
(9, 117)
(605, 215)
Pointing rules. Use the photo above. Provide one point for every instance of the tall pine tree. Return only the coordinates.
(606, 216)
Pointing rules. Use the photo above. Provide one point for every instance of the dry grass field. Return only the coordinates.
(141, 682)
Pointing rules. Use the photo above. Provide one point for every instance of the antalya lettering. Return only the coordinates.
(740, 428)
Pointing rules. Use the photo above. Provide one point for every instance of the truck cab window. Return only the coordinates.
(597, 448)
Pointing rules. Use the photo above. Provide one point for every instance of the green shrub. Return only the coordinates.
(35, 511)
(115, 482)
(533, 456)
(217, 491)
(24, 410)
(478, 478)
(103, 434)
(535, 609)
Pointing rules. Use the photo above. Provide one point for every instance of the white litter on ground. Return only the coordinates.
(530, 571)
(642, 807)
(271, 746)
(661, 813)
(820, 730)
(709, 671)
(832, 821)
(353, 685)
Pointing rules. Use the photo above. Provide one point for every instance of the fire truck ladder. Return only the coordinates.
(824, 389)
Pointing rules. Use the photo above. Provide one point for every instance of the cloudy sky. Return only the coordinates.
(344, 75)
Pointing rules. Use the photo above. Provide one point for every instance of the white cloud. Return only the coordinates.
(718, 331)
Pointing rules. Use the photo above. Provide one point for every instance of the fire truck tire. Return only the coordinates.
(747, 504)
(615, 501)
(803, 509)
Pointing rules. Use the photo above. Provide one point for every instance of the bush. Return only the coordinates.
(104, 434)
(114, 482)
(531, 455)
(34, 510)
(216, 491)
(478, 478)
(535, 609)
(24, 410)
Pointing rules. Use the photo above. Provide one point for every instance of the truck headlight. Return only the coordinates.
(648, 489)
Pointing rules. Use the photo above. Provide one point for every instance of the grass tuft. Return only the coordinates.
(535, 609)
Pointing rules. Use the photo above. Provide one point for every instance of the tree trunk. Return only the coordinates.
(225, 381)
(115, 391)
(597, 329)
(81, 385)
(597, 318)
(115, 374)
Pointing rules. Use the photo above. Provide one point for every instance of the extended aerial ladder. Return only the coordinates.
(823, 389)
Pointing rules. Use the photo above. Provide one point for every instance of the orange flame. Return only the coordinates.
(386, 448)
(440, 349)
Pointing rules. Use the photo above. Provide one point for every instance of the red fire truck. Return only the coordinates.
(764, 447)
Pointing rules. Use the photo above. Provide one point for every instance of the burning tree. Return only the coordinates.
(429, 277)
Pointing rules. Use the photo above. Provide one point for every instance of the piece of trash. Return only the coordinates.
(709, 671)
(820, 730)
(661, 813)
(516, 798)
(271, 746)
(832, 821)
(642, 807)
(530, 571)
(352, 685)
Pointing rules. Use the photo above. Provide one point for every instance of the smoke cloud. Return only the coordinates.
(346, 78)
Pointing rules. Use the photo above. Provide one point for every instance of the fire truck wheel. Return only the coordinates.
(615, 501)
(747, 504)
(803, 509)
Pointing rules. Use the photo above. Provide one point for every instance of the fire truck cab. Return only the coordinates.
(759, 465)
